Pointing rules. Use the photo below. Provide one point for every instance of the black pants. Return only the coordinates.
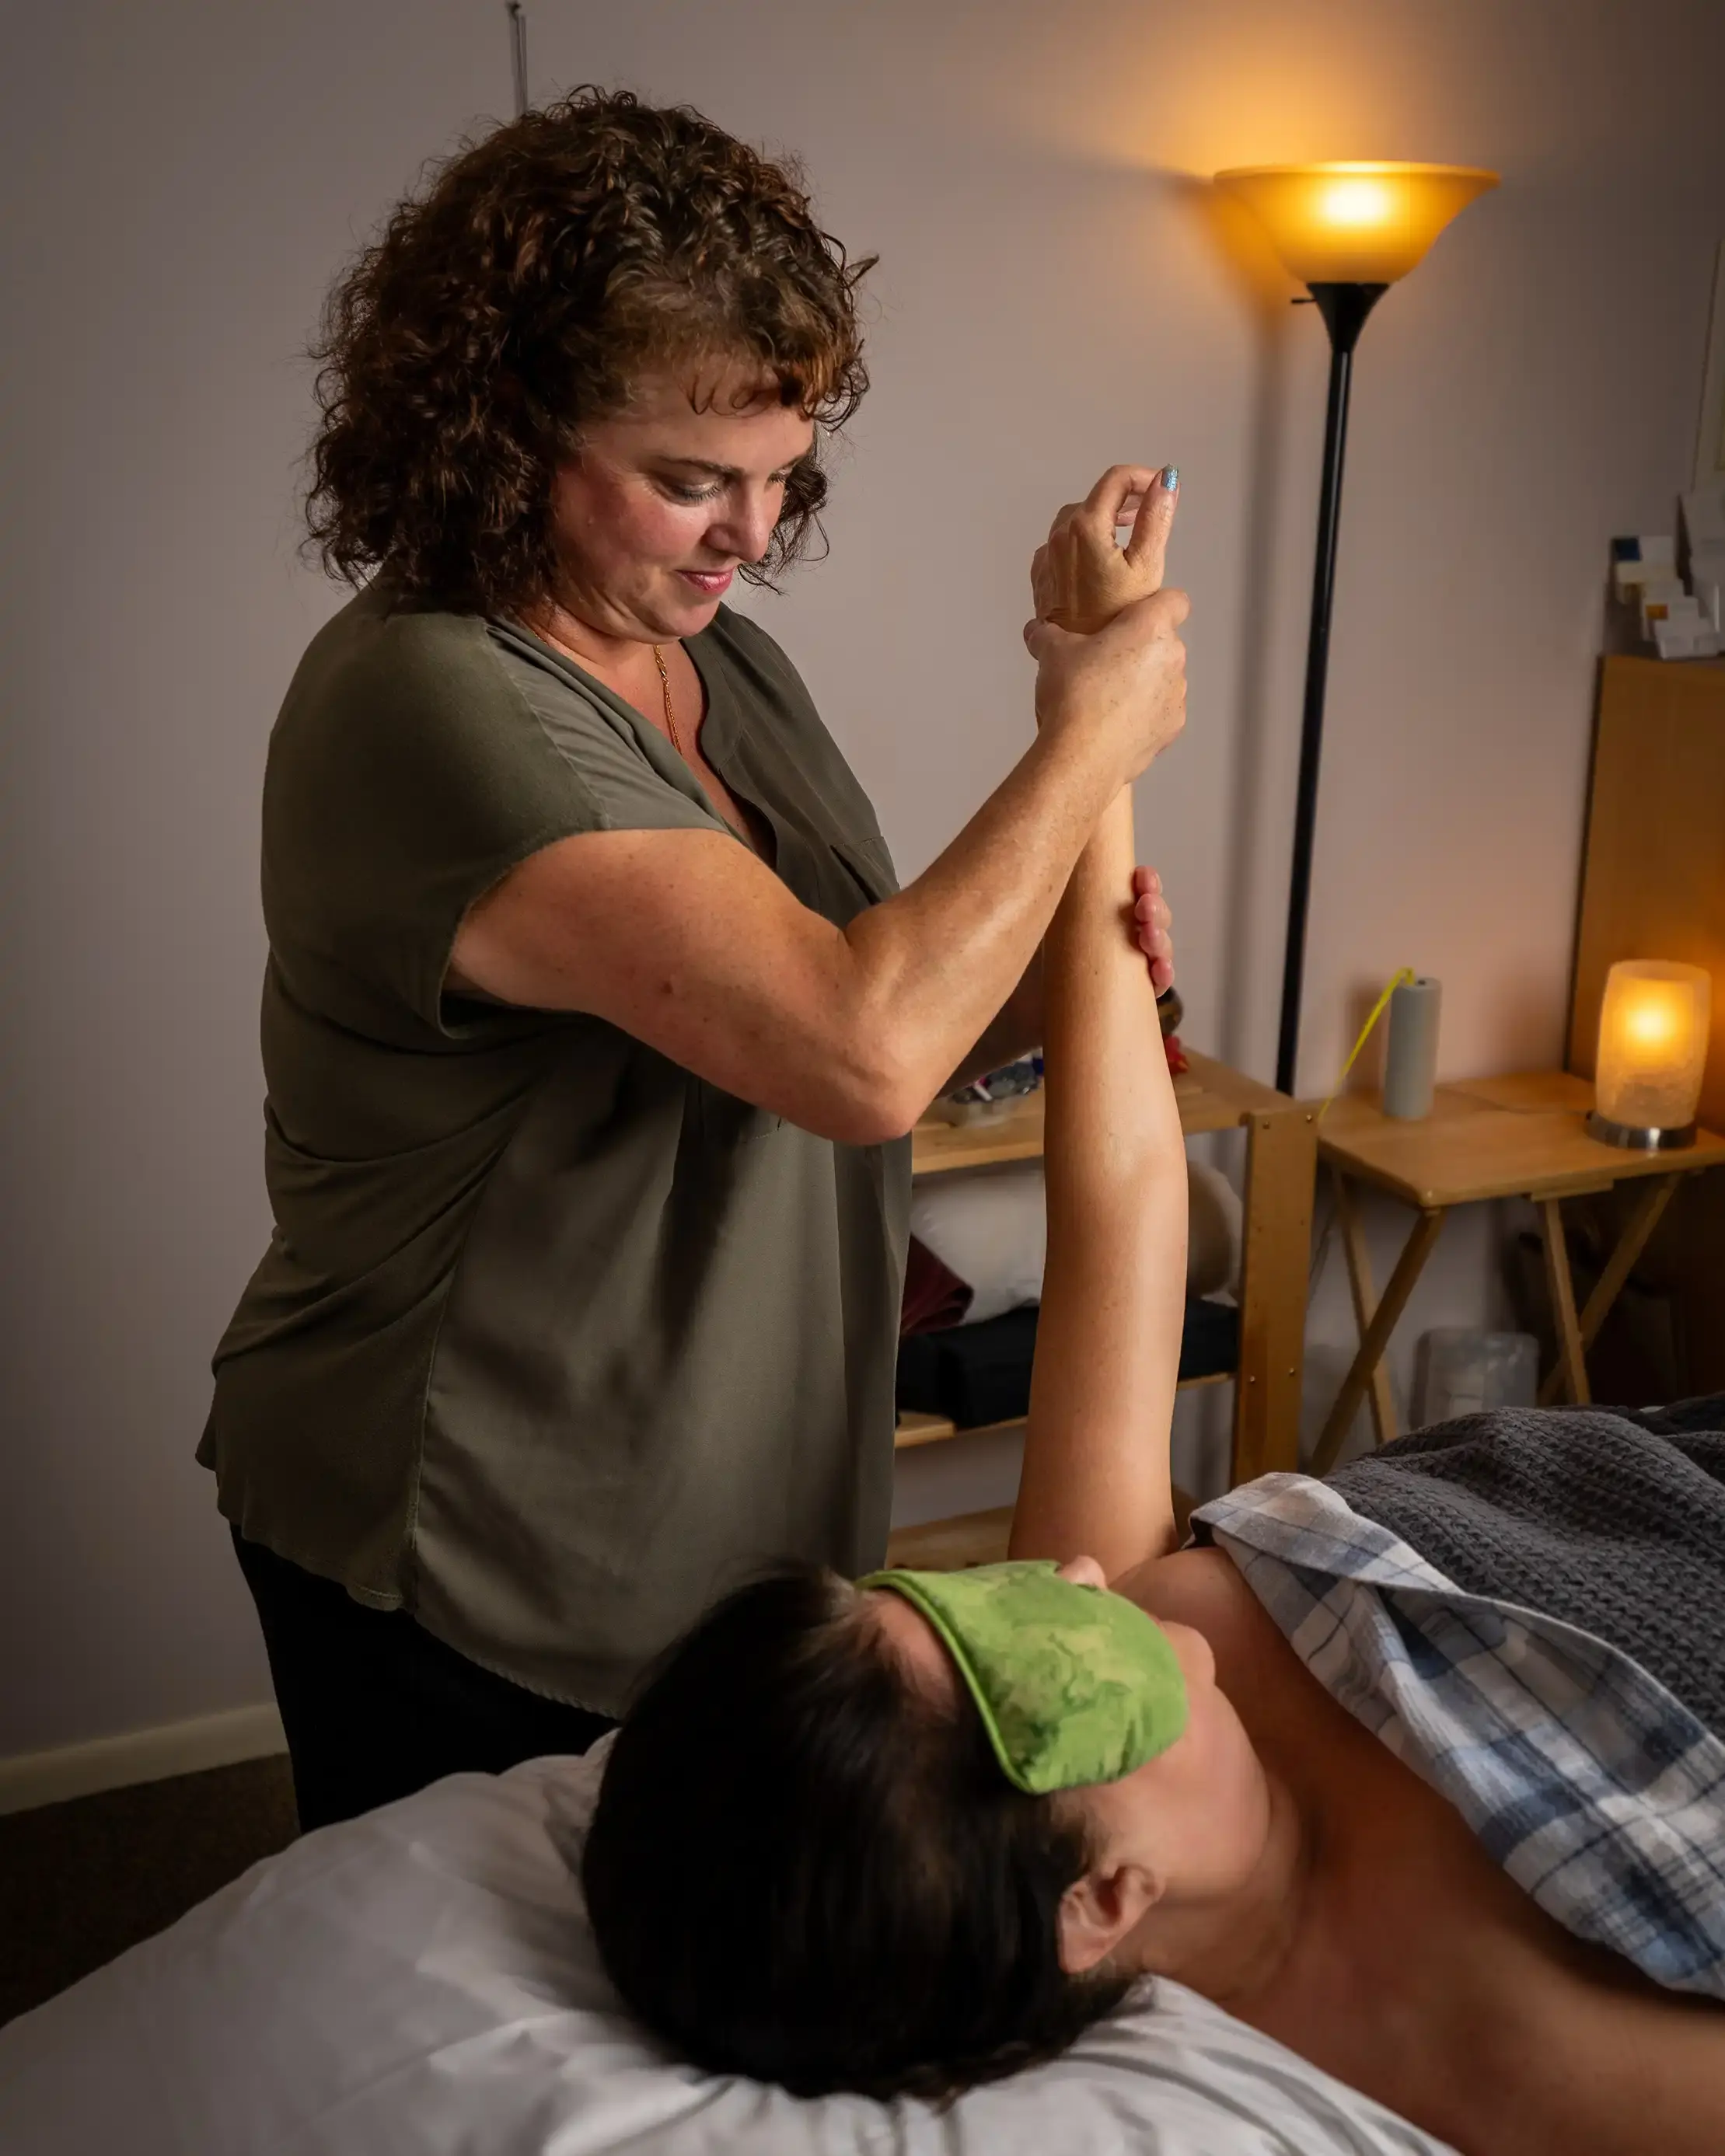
(375, 1708)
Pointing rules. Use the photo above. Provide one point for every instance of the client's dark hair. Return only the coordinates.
(803, 1868)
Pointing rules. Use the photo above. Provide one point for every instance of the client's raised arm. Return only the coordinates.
(1095, 1474)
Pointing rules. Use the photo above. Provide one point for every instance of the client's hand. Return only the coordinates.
(1082, 576)
(1079, 579)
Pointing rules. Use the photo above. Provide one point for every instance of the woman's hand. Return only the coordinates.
(1125, 684)
(1152, 924)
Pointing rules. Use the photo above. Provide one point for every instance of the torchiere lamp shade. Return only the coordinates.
(1354, 224)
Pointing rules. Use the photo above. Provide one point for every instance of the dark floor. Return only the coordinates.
(80, 1882)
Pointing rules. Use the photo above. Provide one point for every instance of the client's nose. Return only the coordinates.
(1085, 1572)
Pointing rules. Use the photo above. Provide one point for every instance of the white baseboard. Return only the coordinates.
(142, 1755)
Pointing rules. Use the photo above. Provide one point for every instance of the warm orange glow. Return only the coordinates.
(1653, 1043)
(1653, 1021)
(1365, 204)
(1354, 224)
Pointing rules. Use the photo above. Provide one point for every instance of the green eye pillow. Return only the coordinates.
(1074, 1685)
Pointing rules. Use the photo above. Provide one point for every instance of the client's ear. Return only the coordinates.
(1098, 1909)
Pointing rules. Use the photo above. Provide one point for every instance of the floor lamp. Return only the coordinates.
(1348, 233)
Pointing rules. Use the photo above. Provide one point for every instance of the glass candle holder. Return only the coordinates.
(1653, 1045)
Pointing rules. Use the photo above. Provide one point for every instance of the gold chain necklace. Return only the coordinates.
(671, 717)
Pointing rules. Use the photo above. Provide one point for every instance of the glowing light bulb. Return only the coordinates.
(1357, 204)
(1652, 1022)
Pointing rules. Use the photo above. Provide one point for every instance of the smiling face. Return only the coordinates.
(665, 501)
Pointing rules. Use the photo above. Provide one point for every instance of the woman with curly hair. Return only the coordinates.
(594, 1020)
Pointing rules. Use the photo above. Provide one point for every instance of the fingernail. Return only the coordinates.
(1170, 477)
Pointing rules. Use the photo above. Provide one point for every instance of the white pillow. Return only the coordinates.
(421, 1982)
(991, 1229)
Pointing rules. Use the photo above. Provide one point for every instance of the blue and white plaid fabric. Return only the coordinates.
(1582, 1776)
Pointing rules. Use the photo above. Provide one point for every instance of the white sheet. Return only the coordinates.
(422, 1980)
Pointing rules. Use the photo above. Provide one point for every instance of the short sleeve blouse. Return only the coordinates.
(553, 1342)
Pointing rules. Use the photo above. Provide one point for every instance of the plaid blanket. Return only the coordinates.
(1590, 1783)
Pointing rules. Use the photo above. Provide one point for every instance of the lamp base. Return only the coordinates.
(1634, 1138)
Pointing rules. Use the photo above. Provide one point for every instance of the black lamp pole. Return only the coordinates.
(1344, 308)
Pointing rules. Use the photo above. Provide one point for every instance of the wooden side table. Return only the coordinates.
(1521, 1137)
(1280, 1170)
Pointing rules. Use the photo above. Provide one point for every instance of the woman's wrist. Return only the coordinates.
(1084, 764)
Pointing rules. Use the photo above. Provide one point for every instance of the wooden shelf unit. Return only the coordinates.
(1281, 1164)
(1653, 886)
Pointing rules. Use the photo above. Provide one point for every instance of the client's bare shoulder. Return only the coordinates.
(1196, 1586)
(1202, 1588)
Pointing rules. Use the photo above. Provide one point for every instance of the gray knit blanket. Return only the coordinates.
(1610, 1521)
(1528, 1609)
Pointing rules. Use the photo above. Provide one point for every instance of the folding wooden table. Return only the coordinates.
(1519, 1136)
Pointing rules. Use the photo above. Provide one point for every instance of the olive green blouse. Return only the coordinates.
(553, 1342)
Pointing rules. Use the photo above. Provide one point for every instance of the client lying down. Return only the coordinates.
(908, 1834)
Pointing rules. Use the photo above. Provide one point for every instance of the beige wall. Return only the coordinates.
(1053, 293)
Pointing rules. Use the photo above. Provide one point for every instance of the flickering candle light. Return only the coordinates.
(1653, 1045)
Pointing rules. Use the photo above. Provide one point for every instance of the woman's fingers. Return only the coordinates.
(1173, 605)
(1152, 925)
(1151, 910)
(1047, 639)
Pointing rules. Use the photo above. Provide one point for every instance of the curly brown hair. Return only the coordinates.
(519, 296)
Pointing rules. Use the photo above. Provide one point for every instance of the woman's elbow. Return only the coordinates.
(872, 1099)
(875, 1126)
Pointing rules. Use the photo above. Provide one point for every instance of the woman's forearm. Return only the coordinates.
(687, 940)
(937, 967)
(940, 959)
(688, 943)
(1096, 1474)
(1014, 1031)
